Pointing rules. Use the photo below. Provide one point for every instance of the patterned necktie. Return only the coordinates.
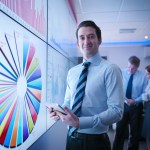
(80, 92)
(129, 87)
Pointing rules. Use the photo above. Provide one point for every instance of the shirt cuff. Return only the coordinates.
(85, 122)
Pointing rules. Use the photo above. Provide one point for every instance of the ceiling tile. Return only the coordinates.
(100, 5)
(134, 16)
(135, 5)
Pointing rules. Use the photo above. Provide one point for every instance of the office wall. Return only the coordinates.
(119, 55)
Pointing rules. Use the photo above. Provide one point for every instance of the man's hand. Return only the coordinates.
(69, 119)
(131, 102)
(53, 115)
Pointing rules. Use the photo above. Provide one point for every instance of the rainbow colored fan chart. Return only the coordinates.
(20, 89)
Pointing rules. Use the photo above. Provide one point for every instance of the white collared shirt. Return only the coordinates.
(103, 101)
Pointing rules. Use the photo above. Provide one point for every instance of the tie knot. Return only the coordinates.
(86, 64)
(131, 76)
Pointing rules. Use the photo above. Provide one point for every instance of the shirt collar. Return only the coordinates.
(130, 72)
(95, 60)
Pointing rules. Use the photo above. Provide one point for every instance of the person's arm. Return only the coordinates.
(139, 99)
(146, 97)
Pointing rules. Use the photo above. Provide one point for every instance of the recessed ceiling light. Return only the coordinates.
(129, 30)
(146, 37)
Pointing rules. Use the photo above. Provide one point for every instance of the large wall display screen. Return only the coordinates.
(30, 13)
(57, 76)
(58, 66)
(22, 85)
(61, 28)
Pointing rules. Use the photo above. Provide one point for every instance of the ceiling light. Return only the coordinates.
(129, 30)
(146, 37)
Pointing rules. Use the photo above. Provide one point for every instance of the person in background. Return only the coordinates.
(146, 99)
(102, 102)
(134, 84)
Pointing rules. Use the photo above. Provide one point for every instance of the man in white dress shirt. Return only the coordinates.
(102, 104)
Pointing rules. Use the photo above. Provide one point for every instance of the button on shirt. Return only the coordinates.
(139, 84)
(103, 101)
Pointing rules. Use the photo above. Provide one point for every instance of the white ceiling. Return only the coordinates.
(132, 17)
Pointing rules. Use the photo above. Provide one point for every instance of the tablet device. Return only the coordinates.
(56, 107)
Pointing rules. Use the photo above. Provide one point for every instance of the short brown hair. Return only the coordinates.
(134, 61)
(148, 68)
(89, 23)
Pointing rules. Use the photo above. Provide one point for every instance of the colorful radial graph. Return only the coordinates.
(20, 89)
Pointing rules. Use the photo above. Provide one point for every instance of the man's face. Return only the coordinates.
(132, 68)
(88, 42)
